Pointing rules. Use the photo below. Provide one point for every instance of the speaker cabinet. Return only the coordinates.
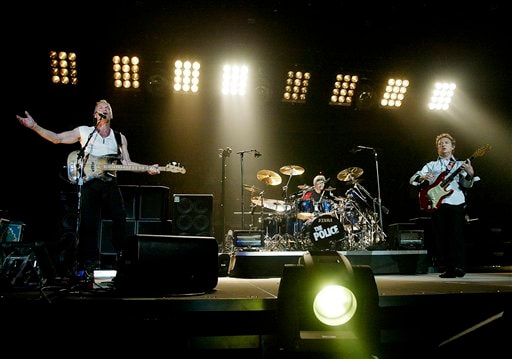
(132, 228)
(192, 214)
(154, 227)
(144, 202)
(130, 197)
(106, 246)
(170, 264)
(153, 203)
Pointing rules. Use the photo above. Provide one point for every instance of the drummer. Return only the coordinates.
(316, 194)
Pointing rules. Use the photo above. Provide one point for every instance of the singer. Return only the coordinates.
(97, 194)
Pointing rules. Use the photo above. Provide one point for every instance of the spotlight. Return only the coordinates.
(326, 305)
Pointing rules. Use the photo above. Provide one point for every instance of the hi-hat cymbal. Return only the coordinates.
(303, 186)
(292, 170)
(273, 204)
(350, 173)
(269, 177)
(252, 188)
(330, 189)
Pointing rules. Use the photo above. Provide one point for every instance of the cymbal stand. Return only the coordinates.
(287, 212)
(262, 202)
(285, 188)
(379, 230)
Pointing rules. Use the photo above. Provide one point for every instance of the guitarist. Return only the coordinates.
(448, 216)
(102, 193)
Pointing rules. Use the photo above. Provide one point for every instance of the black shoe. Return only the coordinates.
(448, 274)
(459, 272)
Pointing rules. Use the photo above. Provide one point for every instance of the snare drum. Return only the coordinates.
(305, 209)
(324, 231)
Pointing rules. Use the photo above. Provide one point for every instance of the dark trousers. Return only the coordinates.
(99, 200)
(448, 230)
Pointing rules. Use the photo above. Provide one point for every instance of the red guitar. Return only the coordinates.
(431, 196)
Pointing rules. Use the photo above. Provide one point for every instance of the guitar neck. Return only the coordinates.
(132, 168)
(453, 174)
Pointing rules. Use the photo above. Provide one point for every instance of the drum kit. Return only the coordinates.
(334, 223)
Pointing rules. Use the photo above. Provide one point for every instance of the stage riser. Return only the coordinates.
(270, 264)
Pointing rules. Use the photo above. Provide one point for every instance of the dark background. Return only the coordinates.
(424, 40)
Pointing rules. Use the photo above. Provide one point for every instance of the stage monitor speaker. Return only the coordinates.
(405, 236)
(168, 264)
(192, 214)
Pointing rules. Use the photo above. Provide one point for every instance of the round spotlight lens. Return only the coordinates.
(335, 305)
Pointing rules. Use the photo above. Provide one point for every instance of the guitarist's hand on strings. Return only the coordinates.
(427, 177)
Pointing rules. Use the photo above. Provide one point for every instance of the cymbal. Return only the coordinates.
(269, 177)
(252, 188)
(273, 204)
(303, 186)
(292, 170)
(350, 173)
(330, 189)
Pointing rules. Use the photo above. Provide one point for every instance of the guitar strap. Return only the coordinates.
(450, 165)
(117, 135)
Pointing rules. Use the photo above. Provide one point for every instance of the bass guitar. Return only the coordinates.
(96, 167)
(431, 196)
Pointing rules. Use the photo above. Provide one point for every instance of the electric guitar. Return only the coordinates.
(95, 167)
(431, 196)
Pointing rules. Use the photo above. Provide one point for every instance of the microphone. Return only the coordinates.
(256, 152)
(102, 117)
(355, 150)
(225, 152)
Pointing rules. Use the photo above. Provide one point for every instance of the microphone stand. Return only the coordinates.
(379, 200)
(80, 162)
(224, 154)
(242, 210)
(242, 187)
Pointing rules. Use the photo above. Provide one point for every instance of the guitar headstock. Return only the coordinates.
(174, 167)
(481, 151)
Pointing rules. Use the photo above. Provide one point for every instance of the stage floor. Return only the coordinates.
(420, 315)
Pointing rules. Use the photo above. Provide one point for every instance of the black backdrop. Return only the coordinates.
(314, 135)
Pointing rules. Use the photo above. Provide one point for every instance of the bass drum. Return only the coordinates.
(324, 231)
